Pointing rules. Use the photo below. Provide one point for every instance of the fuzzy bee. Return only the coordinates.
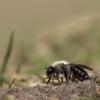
(70, 71)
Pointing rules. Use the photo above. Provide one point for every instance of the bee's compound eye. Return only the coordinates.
(51, 69)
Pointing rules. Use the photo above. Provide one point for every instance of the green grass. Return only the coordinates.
(6, 59)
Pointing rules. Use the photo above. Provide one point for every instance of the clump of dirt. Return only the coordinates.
(72, 91)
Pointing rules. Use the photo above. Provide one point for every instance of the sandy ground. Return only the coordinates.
(86, 90)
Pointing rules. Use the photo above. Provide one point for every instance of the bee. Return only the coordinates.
(70, 71)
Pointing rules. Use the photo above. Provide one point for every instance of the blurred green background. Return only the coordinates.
(50, 30)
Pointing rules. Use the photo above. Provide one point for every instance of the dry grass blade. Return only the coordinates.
(12, 82)
(6, 58)
(8, 53)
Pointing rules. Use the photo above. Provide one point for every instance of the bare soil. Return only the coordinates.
(86, 90)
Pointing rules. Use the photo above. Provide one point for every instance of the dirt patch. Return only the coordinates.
(73, 91)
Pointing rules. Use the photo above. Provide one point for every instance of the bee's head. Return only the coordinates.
(50, 70)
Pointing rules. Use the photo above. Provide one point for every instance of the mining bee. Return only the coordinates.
(70, 71)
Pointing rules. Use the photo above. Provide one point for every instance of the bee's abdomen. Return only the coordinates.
(79, 73)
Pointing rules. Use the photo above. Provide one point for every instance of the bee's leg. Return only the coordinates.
(66, 76)
(61, 79)
(69, 77)
(66, 79)
(58, 79)
(73, 78)
(48, 80)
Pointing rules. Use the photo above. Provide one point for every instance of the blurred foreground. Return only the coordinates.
(73, 91)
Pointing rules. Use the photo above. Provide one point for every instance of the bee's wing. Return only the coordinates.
(84, 66)
(81, 66)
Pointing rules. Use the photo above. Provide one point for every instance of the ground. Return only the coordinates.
(86, 90)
